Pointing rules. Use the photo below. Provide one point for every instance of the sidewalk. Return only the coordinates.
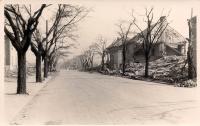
(14, 102)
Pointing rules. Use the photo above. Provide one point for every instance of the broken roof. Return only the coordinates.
(171, 36)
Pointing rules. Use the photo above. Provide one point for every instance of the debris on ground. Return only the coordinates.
(170, 69)
(188, 83)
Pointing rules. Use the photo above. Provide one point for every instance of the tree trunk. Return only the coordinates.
(91, 62)
(50, 67)
(46, 65)
(123, 60)
(21, 79)
(146, 66)
(102, 61)
(38, 69)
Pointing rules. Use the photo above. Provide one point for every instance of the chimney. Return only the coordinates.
(164, 22)
(163, 18)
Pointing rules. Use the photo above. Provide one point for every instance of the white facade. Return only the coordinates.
(10, 61)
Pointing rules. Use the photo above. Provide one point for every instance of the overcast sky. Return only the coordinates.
(105, 15)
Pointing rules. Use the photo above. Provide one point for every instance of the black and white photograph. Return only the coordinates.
(92, 62)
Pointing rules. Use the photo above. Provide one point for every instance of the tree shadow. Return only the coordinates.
(31, 82)
(6, 80)
(16, 94)
(10, 93)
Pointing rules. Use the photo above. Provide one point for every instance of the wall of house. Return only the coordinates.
(115, 57)
(111, 61)
(119, 58)
(10, 55)
(130, 53)
(181, 49)
(171, 51)
(7, 52)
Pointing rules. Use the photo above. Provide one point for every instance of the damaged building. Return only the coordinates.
(170, 43)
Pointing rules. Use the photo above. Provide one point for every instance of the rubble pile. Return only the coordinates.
(188, 83)
(110, 72)
(169, 69)
(135, 70)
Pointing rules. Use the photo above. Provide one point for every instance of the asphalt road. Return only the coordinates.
(90, 98)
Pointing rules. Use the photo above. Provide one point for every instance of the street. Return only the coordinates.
(91, 98)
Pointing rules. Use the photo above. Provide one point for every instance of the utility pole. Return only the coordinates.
(46, 65)
(191, 54)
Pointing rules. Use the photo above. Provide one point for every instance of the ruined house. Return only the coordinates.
(170, 43)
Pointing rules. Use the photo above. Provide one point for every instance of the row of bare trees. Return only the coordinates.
(127, 29)
(147, 40)
(85, 60)
(20, 30)
(21, 27)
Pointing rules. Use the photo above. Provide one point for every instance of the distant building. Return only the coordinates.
(170, 43)
(10, 58)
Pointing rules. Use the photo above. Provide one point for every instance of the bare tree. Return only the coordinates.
(125, 31)
(57, 52)
(83, 61)
(38, 50)
(62, 27)
(151, 35)
(86, 58)
(73, 63)
(89, 56)
(100, 49)
(19, 30)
